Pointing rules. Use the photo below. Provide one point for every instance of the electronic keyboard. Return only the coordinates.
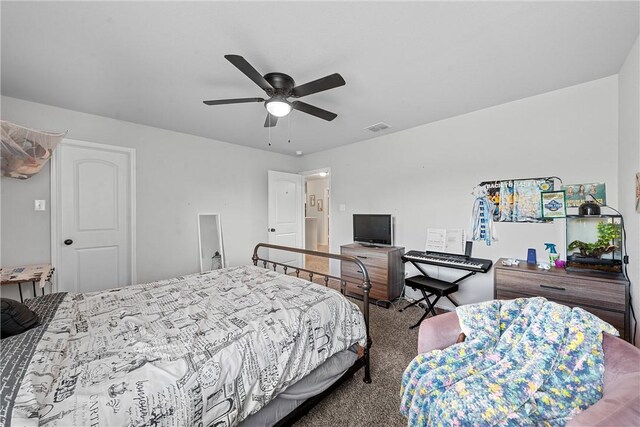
(460, 262)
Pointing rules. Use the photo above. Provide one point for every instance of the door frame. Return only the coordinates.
(55, 205)
(305, 174)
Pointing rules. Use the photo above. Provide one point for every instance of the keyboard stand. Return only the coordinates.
(429, 287)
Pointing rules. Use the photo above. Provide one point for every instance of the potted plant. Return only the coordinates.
(607, 234)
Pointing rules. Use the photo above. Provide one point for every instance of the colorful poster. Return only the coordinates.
(577, 194)
(526, 200)
(506, 201)
(517, 200)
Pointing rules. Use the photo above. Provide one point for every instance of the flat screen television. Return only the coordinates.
(373, 229)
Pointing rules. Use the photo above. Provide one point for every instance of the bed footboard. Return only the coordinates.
(366, 286)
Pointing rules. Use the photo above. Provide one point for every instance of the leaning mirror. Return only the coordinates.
(210, 236)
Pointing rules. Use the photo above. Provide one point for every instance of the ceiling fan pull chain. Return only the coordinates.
(269, 130)
(289, 127)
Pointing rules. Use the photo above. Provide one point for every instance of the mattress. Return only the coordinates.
(210, 348)
(316, 382)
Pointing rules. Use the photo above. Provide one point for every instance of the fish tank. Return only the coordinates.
(594, 243)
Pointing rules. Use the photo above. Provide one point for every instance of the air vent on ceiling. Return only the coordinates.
(378, 127)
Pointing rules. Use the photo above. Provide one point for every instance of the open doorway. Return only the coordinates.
(317, 196)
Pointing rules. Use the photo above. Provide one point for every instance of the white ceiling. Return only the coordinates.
(405, 63)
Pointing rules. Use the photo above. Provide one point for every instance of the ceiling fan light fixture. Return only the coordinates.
(278, 106)
(279, 87)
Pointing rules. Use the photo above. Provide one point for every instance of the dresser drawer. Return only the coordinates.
(377, 291)
(368, 256)
(615, 319)
(570, 290)
(376, 273)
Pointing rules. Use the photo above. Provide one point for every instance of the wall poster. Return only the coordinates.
(638, 192)
(577, 194)
(517, 200)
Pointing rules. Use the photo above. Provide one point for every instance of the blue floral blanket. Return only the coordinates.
(524, 362)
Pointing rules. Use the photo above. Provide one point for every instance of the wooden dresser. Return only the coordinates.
(385, 267)
(603, 295)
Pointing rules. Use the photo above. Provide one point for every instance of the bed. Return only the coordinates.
(241, 346)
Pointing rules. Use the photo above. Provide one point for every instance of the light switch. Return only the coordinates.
(39, 205)
(342, 208)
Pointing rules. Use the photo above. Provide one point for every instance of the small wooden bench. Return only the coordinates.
(27, 273)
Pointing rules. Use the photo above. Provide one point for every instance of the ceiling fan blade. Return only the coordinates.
(242, 65)
(270, 121)
(314, 111)
(233, 101)
(325, 83)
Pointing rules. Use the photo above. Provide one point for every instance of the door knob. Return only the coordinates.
(272, 230)
(68, 242)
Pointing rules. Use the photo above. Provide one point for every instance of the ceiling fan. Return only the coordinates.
(279, 87)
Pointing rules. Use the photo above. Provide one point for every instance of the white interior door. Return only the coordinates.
(285, 215)
(94, 244)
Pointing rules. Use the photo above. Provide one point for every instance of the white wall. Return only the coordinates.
(178, 176)
(629, 164)
(424, 175)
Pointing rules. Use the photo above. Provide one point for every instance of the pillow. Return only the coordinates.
(16, 317)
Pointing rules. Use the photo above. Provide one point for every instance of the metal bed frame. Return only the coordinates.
(362, 361)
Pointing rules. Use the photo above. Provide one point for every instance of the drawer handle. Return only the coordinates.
(359, 271)
(558, 288)
(363, 257)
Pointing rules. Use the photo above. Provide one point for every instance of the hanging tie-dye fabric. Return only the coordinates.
(482, 218)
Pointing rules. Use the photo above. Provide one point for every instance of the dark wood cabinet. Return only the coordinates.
(604, 295)
(385, 267)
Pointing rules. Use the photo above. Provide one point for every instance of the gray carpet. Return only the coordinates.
(355, 403)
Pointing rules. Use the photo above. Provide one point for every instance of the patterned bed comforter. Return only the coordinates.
(206, 349)
(524, 362)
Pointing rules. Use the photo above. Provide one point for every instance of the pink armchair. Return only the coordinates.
(620, 403)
